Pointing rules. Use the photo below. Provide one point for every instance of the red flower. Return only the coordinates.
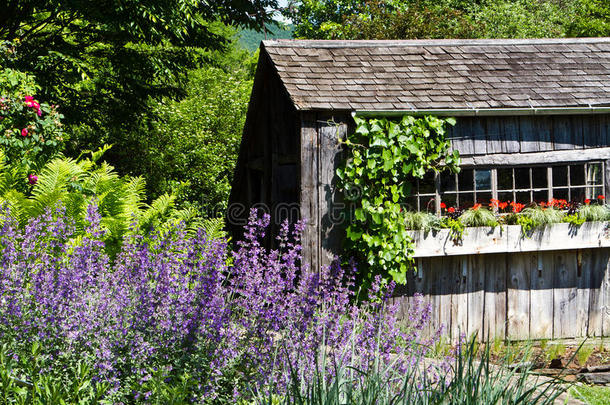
(24, 132)
(517, 207)
(476, 206)
(503, 205)
(443, 206)
(587, 201)
(601, 197)
(451, 210)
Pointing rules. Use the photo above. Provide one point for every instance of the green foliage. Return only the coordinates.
(379, 19)
(591, 395)
(26, 378)
(594, 212)
(473, 380)
(191, 148)
(421, 221)
(30, 132)
(479, 217)
(251, 39)
(384, 157)
(75, 184)
(583, 353)
(456, 229)
(393, 19)
(104, 62)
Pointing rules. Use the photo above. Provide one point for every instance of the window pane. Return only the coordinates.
(593, 192)
(539, 177)
(594, 174)
(577, 194)
(449, 200)
(484, 198)
(560, 193)
(522, 178)
(410, 204)
(447, 181)
(426, 203)
(505, 179)
(577, 175)
(426, 185)
(523, 197)
(541, 196)
(466, 200)
(465, 180)
(483, 179)
(560, 176)
(505, 197)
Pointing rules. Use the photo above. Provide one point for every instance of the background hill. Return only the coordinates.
(251, 39)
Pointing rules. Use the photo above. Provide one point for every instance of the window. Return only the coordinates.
(522, 184)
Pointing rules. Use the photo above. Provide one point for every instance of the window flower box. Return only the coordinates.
(510, 238)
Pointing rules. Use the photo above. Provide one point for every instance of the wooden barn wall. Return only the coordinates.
(542, 295)
(321, 203)
(267, 173)
(473, 136)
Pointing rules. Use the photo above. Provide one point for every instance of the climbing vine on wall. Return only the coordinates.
(385, 156)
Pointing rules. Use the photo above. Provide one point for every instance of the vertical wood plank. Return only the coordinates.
(445, 280)
(461, 137)
(479, 133)
(578, 134)
(494, 315)
(494, 136)
(564, 296)
(459, 298)
(596, 269)
(541, 296)
(529, 134)
(591, 128)
(476, 295)
(309, 189)
(510, 135)
(562, 132)
(584, 260)
(518, 296)
(605, 300)
(330, 157)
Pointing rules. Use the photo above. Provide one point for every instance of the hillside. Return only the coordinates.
(251, 39)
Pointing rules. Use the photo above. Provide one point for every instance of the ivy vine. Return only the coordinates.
(385, 156)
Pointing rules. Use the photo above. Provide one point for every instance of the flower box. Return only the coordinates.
(510, 238)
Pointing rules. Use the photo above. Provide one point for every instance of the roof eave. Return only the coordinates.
(459, 112)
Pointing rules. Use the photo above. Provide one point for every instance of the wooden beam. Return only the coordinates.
(512, 159)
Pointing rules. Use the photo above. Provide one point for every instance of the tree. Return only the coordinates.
(191, 146)
(102, 61)
(396, 19)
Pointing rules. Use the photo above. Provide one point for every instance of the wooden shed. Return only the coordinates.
(533, 123)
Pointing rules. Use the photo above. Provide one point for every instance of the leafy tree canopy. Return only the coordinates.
(102, 61)
(400, 19)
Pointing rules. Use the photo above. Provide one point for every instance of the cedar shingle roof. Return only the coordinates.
(440, 74)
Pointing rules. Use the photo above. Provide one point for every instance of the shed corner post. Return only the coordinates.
(309, 152)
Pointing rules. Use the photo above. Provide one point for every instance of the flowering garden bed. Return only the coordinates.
(553, 225)
(510, 238)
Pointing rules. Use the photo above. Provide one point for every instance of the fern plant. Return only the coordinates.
(76, 184)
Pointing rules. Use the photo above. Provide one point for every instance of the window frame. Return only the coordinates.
(437, 196)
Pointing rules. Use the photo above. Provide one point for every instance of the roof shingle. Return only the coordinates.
(444, 74)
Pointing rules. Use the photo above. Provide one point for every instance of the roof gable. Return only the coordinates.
(443, 74)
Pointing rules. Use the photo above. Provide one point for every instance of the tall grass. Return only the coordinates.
(471, 379)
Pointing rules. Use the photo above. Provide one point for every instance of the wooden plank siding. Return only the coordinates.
(518, 296)
(525, 134)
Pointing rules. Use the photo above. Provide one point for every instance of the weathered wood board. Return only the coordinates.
(524, 295)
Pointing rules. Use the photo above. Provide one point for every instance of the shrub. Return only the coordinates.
(170, 311)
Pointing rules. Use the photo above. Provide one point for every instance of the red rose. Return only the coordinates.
(443, 205)
(451, 210)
